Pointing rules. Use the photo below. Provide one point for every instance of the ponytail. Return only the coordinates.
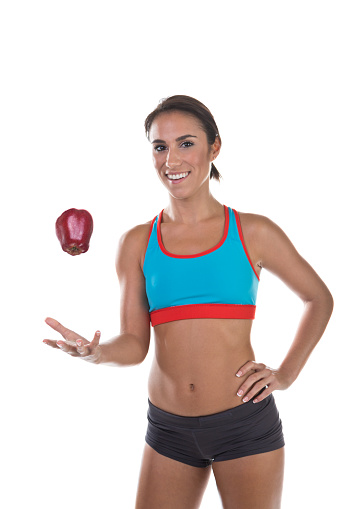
(214, 174)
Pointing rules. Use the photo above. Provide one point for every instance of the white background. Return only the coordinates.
(77, 81)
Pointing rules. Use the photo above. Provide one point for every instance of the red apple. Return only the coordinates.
(74, 229)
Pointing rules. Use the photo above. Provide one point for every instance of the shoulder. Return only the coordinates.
(256, 224)
(136, 235)
(264, 237)
(133, 243)
(276, 253)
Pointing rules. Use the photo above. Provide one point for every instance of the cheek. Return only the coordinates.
(200, 159)
(158, 160)
(158, 170)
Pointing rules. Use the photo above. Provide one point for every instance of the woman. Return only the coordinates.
(194, 271)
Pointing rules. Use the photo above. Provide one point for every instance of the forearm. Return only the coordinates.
(122, 350)
(312, 326)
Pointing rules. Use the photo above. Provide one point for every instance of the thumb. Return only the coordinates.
(94, 344)
(95, 341)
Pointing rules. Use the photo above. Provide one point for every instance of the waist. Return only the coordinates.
(206, 420)
(195, 363)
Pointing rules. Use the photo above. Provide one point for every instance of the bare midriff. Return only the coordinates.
(195, 363)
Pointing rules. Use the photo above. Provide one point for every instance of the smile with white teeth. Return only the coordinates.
(177, 176)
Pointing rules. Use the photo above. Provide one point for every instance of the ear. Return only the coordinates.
(215, 148)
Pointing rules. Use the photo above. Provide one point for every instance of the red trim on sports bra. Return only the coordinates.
(190, 311)
(149, 236)
(167, 253)
(243, 242)
(150, 231)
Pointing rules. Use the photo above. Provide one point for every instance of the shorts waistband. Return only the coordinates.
(238, 412)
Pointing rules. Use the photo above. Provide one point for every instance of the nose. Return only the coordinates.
(172, 160)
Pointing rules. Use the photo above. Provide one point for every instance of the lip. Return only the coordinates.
(177, 173)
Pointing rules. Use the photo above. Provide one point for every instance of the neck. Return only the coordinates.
(193, 209)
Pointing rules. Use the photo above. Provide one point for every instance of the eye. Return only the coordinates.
(187, 144)
(159, 148)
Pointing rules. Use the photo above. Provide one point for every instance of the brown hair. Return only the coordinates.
(192, 107)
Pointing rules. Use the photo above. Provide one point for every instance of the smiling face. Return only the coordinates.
(181, 153)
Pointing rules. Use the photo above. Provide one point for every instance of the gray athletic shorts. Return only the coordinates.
(250, 428)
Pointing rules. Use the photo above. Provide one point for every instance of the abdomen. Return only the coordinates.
(195, 363)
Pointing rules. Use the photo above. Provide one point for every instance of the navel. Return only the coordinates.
(192, 387)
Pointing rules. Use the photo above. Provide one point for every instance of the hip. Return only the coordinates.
(198, 441)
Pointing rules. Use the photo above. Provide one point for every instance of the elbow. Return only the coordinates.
(328, 300)
(141, 351)
(140, 361)
(137, 360)
(143, 355)
(324, 300)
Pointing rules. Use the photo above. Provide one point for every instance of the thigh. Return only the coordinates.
(252, 481)
(168, 484)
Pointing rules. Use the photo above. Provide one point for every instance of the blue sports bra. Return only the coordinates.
(218, 283)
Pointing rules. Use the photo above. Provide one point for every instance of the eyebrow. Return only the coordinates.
(178, 139)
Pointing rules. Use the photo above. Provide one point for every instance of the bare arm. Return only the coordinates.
(274, 251)
(130, 347)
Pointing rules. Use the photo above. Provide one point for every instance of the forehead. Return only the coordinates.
(170, 125)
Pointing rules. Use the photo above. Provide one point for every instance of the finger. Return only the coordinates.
(263, 394)
(257, 391)
(250, 365)
(87, 348)
(67, 348)
(250, 382)
(244, 369)
(267, 384)
(82, 348)
(50, 342)
(69, 335)
(57, 326)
